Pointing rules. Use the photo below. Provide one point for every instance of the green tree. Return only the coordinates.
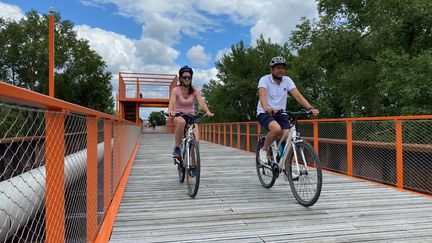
(234, 95)
(80, 72)
(157, 118)
(370, 56)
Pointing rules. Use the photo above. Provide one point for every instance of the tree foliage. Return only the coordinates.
(157, 117)
(80, 75)
(359, 58)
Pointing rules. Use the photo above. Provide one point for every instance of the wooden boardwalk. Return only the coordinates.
(232, 206)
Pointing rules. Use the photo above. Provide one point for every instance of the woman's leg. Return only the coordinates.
(196, 133)
(179, 124)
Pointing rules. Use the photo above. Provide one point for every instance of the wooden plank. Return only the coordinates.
(231, 205)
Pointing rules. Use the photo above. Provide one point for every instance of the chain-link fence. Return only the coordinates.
(392, 151)
(58, 172)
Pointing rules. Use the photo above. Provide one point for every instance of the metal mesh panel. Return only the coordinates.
(417, 155)
(22, 173)
(332, 146)
(374, 151)
(306, 130)
(75, 193)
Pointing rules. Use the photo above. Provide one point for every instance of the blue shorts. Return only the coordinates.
(264, 119)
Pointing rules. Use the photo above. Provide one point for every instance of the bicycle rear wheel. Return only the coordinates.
(264, 171)
(194, 171)
(307, 187)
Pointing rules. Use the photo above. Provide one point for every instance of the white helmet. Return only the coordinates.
(278, 60)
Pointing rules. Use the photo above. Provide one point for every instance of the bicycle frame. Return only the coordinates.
(187, 138)
(290, 140)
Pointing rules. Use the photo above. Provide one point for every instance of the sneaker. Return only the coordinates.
(176, 153)
(295, 176)
(263, 156)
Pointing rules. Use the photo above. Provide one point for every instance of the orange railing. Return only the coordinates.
(395, 151)
(62, 167)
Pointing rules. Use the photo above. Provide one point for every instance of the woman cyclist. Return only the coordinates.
(182, 99)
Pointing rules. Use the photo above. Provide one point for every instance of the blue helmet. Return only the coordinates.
(185, 69)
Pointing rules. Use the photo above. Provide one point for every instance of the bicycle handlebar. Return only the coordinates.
(198, 115)
(294, 113)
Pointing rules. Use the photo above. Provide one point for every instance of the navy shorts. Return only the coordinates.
(264, 119)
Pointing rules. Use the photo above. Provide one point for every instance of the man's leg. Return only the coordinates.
(272, 135)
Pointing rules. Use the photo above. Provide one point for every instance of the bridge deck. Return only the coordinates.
(231, 205)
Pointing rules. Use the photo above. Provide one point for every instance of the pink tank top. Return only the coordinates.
(181, 104)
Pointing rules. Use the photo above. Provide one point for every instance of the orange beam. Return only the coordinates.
(54, 153)
(399, 156)
(91, 217)
(51, 55)
(349, 149)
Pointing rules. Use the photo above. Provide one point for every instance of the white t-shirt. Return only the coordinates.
(277, 95)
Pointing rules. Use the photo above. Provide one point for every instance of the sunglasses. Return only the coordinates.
(186, 77)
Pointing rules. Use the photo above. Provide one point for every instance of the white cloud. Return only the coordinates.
(10, 12)
(222, 52)
(198, 57)
(203, 76)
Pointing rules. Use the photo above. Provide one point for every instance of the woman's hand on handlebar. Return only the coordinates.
(209, 114)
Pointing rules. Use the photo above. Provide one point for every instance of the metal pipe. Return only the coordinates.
(22, 196)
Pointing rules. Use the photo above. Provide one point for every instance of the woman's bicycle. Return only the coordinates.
(294, 157)
(188, 165)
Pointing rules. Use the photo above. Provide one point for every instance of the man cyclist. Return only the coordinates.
(273, 94)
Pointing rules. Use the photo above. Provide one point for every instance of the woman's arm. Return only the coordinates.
(202, 103)
(171, 103)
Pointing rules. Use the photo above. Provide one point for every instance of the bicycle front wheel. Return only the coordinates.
(305, 174)
(180, 169)
(193, 171)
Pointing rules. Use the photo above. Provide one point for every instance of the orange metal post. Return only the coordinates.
(224, 134)
(54, 153)
(349, 149)
(231, 135)
(214, 133)
(219, 142)
(137, 118)
(258, 130)
(91, 217)
(137, 89)
(107, 163)
(399, 156)
(238, 136)
(247, 137)
(51, 55)
(315, 126)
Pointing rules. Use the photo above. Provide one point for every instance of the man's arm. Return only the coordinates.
(302, 101)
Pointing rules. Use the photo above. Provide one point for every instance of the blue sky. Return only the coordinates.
(161, 36)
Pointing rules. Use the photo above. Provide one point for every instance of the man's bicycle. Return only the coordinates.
(294, 157)
(188, 165)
